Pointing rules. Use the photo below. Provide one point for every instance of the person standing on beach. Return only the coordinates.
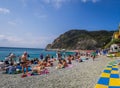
(47, 57)
(24, 62)
(93, 55)
(12, 58)
(41, 56)
(57, 55)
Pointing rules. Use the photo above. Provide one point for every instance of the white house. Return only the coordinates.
(114, 48)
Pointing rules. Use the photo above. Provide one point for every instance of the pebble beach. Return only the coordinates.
(80, 75)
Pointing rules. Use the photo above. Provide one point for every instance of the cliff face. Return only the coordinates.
(81, 39)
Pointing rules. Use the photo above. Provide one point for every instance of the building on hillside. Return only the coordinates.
(114, 48)
(116, 35)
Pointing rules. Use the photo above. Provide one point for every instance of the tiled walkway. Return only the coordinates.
(109, 77)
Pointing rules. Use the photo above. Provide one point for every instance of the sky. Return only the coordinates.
(36, 23)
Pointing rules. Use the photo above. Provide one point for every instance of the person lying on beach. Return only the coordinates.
(44, 63)
(2, 65)
(72, 57)
(35, 61)
(65, 64)
(39, 69)
(53, 59)
(31, 61)
(69, 59)
(49, 62)
(79, 59)
(6, 61)
(47, 57)
(10, 69)
(62, 64)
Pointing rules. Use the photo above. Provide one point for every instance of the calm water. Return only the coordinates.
(33, 52)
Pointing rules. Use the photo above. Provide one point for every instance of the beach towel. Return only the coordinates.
(12, 72)
(45, 71)
(24, 75)
(29, 69)
(113, 63)
(69, 66)
(17, 70)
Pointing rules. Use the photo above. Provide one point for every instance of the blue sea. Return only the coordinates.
(33, 52)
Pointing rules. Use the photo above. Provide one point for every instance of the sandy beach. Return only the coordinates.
(81, 75)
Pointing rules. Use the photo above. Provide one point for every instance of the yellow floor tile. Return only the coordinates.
(114, 82)
(114, 72)
(115, 66)
(107, 75)
(108, 68)
(100, 86)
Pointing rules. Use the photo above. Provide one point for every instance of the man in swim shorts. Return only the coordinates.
(24, 62)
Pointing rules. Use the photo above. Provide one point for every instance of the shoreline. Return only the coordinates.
(66, 50)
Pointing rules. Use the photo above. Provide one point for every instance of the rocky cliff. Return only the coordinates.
(81, 39)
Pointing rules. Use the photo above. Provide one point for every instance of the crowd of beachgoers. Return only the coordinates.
(80, 70)
(38, 66)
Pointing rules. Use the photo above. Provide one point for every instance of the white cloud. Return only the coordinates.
(93, 1)
(56, 3)
(9, 38)
(28, 40)
(84, 1)
(4, 11)
(38, 15)
(59, 3)
(46, 1)
(15, 22)
(24, 3)
(12, 23)
(42, 16)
